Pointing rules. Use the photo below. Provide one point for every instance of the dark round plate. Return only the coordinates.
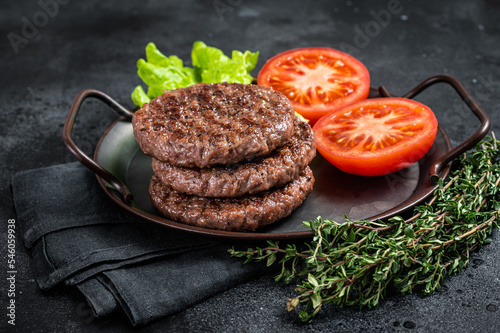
(335, 195)
(124, 173)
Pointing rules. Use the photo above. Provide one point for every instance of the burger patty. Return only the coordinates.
(274, 170)
(209, 124)
(244, 213)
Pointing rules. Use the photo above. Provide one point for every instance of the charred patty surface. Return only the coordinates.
(244, 213)
(284, 164)
(209, 124)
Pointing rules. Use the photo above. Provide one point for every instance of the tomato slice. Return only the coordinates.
(317, 80)
(376, 136)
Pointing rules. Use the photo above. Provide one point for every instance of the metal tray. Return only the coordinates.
(123, 172)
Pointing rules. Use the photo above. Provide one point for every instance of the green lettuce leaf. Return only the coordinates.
(139, 97)
(210, 65)
(216, 67)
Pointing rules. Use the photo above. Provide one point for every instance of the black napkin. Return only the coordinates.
(79, 236)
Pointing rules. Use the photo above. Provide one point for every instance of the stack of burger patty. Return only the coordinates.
(225, 156)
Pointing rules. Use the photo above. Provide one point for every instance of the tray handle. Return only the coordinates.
(469, 101)
(79, 154)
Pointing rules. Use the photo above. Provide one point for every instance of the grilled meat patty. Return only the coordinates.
(284, 164)
(209, 124)
(244, 213)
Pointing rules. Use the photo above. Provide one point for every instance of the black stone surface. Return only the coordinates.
(50, 50)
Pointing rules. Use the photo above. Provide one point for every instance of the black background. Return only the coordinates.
(95, 44)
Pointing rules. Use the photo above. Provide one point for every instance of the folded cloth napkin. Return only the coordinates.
(79, 236)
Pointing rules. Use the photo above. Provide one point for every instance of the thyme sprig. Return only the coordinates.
(354, 263)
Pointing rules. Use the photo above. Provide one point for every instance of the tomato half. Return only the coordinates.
(376, 136)
(317, 80)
